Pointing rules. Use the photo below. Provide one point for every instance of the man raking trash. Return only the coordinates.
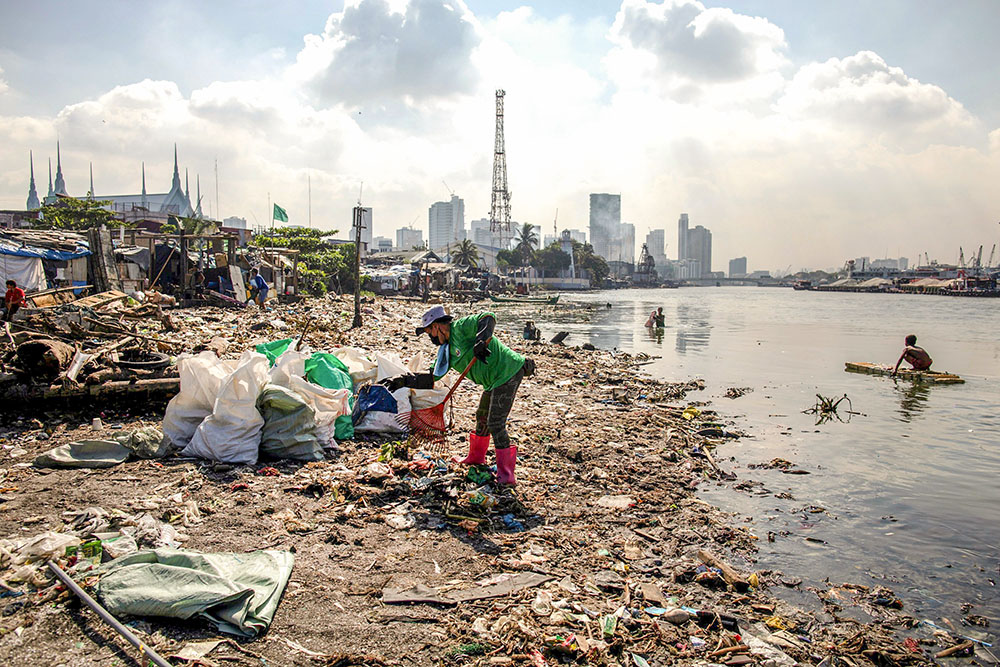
(468, 344)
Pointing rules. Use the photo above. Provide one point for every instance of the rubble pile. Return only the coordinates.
(602, 555)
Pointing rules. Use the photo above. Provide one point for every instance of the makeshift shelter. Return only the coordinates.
(34, 258)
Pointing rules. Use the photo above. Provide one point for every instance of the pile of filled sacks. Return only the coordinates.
(280, 402)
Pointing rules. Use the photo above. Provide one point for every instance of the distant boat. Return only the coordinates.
(545, 301)
(931, 377)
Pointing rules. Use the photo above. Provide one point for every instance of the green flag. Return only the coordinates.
(280, 214)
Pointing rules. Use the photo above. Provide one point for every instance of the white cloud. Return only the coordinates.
(688, 48)
(374, 51)
(863, 93)
(3, 84)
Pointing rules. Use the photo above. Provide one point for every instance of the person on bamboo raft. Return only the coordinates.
(496, 368)
(917, 357)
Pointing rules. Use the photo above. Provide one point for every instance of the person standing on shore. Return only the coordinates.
(497, 369)
(258, 288)
(917, 357)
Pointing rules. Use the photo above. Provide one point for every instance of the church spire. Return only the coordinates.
(197, 209)
(51, 191)
(176, 183)
(91, 180)
(187, 185)
(60, 181)
(144, 204)
(32, 195)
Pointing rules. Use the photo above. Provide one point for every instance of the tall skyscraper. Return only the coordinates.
(682, 237)
(605, 222)
(699, 247)
(738, 267)
(446, 223)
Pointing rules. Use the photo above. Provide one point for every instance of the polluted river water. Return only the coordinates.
(905, 494)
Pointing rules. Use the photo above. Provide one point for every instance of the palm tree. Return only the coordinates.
(527, 239)
(466, 254)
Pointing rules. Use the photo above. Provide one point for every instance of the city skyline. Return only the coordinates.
(804, 134)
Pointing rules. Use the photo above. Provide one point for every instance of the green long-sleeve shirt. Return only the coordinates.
(502, 364)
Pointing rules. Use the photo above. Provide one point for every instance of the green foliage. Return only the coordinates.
(527, 239)
(313, 281)
(296, 238)
(506, 258)
(551, 260)
(466, 254)
(322, 266)
(78, 215)
(584, 257)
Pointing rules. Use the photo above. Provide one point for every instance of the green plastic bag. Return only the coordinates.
(330, 372)
(274, 349)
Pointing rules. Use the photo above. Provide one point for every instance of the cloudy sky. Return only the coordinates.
(799, 133)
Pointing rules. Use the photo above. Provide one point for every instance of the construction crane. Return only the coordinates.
(961, 257)
(555, 230)
(647, 265)
(978, 264)
(989, 264)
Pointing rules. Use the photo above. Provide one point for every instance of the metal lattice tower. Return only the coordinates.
(500, 202)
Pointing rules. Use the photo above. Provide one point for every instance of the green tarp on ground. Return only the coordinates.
(289, 426)
(143, 443)
(238, 593)
(84, 454)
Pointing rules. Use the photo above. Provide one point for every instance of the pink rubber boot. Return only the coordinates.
(478, 444)
(506, 460)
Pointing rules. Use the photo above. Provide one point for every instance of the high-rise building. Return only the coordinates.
(627, 233)
(738, 267)
(480, 234)
(446, 223)
(699, 247)
(408, 238)
(381, 244)
(605, 223)
(682, 237)
(656, 243)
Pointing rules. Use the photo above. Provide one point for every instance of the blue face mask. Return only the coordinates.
(443, 362)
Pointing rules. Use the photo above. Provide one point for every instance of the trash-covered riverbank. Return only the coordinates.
(602, 554)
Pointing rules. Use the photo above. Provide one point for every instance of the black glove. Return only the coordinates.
(408, 380)
(394, 384)
(481, 348)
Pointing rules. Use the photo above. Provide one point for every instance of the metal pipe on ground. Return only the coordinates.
(153, 656)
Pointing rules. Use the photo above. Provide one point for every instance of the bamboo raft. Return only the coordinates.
(931, 377)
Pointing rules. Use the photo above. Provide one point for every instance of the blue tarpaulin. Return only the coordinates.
(8, 247)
